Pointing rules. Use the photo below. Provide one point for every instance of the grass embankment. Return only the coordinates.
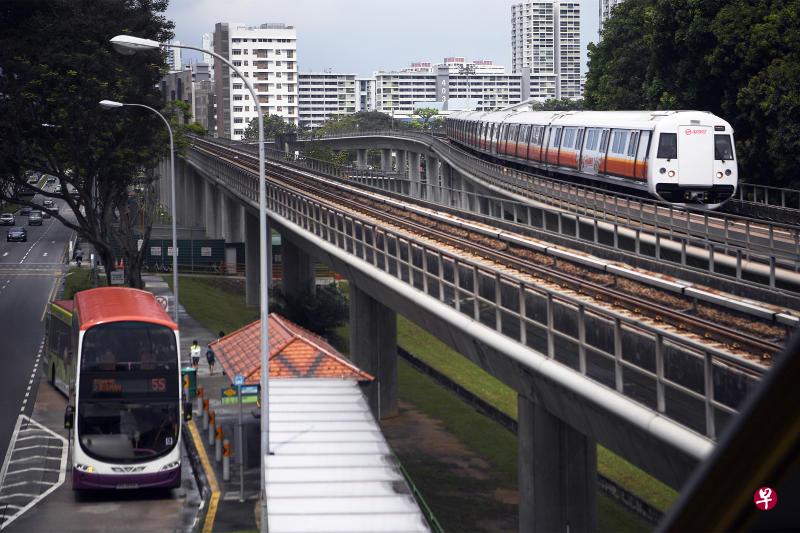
(213, 303)
(78, 279)
(482, 435)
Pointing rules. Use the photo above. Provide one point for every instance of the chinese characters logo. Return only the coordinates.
(765, 499)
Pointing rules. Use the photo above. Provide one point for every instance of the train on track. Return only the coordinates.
(686, 158)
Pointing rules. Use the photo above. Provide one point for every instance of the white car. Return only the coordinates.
(7, 219)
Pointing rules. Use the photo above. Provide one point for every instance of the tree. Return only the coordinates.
(734, 58)
(57, 63)
(426, 114)
(273, 126)
(554, 104)
(321, 312)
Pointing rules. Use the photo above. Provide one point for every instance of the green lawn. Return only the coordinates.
(79, 279)
(215, 308)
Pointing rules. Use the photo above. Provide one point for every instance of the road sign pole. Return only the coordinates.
(240, 450)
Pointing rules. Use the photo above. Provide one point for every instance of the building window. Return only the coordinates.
(238, 120)
(237, 63)
(237, 86)
(237, 96)
(237, 109)
(236, 52)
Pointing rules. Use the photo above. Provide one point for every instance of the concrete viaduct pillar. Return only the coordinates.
(432, 174)
(251, 255)
(373, 348)
(401, 163)
(413, 174)
(386, 160)
(447, 184)
(210, 209)
(361, 158)
(224, 220)
(557, 473)
(298, 270)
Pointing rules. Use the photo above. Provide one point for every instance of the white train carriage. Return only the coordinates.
(682, 157)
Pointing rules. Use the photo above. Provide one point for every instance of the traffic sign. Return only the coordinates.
(162, 301)
(238, 380)
(117, 277)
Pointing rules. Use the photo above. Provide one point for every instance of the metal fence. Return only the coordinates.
(681, 377)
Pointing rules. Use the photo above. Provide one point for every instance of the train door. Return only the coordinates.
(603, 149)
(695, 155)
(590, 157)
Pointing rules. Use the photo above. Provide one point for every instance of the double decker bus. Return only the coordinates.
(114, 353)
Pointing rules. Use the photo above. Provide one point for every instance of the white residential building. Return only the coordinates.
(545, 38)
(208, 44)
(174, 57)
(458, 65)
(605, 10)
(323, 95)
(267, 56)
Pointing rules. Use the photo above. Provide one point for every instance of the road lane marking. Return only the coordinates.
(208, 525)
(44, 254)
(5, 254)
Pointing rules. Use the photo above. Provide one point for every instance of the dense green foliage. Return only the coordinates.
(320, 312)
(57, 64)
(273, 125)
(739, 59)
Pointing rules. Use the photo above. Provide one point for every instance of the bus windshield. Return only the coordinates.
(129, 346)
(127, 431)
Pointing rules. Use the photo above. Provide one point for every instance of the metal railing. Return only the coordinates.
(682, 377)
(766, 195)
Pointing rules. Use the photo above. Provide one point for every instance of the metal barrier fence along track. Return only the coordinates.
(678, 376)
(758, 240)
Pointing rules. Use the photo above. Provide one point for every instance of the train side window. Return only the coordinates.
(668, 146)
(618, 143)
(591, 140)
(604, 141)
(569, 138)
(723, 149)
(579, 138)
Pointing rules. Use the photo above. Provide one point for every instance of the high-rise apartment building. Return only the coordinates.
(324, 95)
(174, 58)
(267, 57)
(208, 44)
(546, 38)
(605, 10)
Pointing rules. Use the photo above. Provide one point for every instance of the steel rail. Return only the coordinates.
(733, 338)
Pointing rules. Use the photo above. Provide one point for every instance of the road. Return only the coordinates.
(28, 273)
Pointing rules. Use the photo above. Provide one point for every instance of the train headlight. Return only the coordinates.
(728, 172)
(662, 170)
(719, 175)
(671, 173)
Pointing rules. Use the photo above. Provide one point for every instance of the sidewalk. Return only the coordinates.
(231, 514)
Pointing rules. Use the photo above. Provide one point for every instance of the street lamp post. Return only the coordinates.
(110, 104)
(126, 44)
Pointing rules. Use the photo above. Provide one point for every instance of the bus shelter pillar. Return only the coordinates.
(373, 348)
(251, 260)
(557, 472)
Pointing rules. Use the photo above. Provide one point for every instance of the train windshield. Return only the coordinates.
(668, 146)
(723, 148)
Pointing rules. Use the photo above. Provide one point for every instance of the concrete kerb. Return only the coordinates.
(205, 477)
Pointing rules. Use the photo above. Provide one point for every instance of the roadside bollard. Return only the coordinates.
(212, 420)
(200, 402)
(218, 444)
(205, 414)
(226, 460)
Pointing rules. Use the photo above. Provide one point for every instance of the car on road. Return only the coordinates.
(48, 203)
(7, 219)
(25, 211)
(45, 213)
(35, 218)
(51, 179)
(57, 189)
(17, 234)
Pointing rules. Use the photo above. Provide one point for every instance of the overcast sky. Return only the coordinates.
(361, 36)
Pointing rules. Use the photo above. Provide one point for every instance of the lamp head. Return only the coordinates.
(129, 45)
(110, 104)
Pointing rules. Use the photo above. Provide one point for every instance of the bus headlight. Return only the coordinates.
(719, 175)
(671, 173)
(84, 468)
(170, 466)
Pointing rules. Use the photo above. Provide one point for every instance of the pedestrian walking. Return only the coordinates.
(211, 358)
(194, 352)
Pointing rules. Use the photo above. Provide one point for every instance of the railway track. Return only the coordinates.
(756, 344)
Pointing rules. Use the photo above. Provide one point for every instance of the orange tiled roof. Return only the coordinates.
(294, 352)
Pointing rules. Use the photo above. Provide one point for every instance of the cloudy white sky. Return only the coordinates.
(361, 36)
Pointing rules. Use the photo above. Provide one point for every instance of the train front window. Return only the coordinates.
(129, 346)
(723, 149)
(668, 146)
